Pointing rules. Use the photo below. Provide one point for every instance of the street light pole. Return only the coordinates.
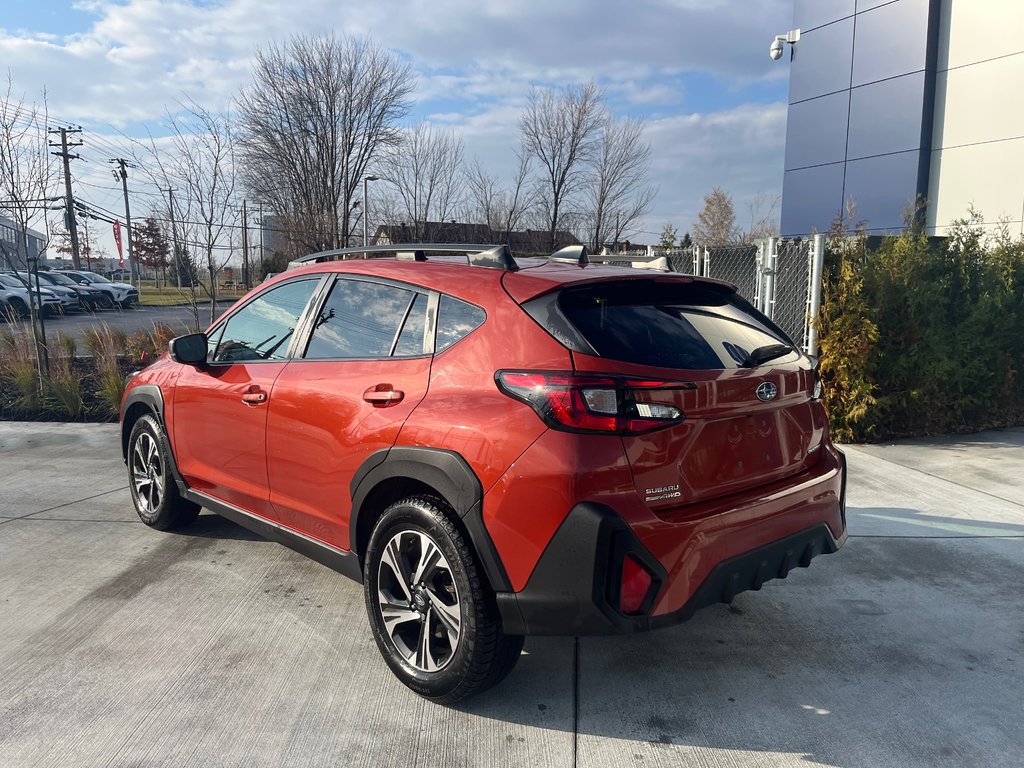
(366, 207)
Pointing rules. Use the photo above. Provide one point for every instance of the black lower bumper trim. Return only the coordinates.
(568, 592)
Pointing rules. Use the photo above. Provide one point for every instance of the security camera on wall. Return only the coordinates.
(778, 45)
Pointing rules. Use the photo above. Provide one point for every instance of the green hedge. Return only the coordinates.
(923, 335)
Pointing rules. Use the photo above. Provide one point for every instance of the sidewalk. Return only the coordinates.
(120, 645)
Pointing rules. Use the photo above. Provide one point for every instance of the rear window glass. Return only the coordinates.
(670, 326)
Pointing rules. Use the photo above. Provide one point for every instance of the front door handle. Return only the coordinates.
(383, 395)
(254, 396)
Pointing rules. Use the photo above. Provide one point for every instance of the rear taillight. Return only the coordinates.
(584, 402)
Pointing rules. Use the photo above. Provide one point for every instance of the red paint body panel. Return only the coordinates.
(320, 429)
(219, 440)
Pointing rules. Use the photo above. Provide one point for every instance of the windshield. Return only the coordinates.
(94, 278)
(10, 282)
(60, 279)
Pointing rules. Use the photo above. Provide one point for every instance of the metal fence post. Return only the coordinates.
(769, 281)
(707, 263)
(814, 290)
(759, 277)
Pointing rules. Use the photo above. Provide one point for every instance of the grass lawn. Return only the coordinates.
(168, 295)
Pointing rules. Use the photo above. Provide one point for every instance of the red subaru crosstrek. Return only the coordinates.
(496, 449)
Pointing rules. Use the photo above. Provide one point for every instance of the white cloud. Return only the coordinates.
(475, 62)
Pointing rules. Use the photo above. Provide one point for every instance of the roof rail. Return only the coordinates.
(479, 255)
(571, 254)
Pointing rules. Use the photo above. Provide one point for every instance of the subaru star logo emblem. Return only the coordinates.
(766, 391)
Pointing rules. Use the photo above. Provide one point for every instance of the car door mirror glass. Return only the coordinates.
(190, 349)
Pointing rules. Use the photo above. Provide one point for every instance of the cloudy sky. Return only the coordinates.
(696, 71)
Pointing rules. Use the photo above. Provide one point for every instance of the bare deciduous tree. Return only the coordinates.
(200, 164)
(317, 114)
(763, 214)
(26, 189)
(617, 192)
(425, 171)
(501, 208)
(561, 129)
(716, 223)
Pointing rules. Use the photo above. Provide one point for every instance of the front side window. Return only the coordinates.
(363, 320)
(263, 328)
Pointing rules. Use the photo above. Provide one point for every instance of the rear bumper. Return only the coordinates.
(574, 588)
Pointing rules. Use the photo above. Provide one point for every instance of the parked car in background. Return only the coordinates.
(69, 300)
(17, 294)
(89, 297)
(496, 448)
(122, 294)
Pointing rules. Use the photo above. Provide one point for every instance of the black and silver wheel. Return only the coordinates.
(154, 491)
(19, 306)
(433, 617)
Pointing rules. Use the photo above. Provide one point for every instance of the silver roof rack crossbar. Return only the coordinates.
(493, 256)
(571, 254)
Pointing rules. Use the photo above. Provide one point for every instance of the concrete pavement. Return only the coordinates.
(123, 646)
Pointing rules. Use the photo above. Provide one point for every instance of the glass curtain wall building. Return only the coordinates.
(903, 101)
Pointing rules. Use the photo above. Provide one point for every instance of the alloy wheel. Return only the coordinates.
(147, 473)
(418, 601)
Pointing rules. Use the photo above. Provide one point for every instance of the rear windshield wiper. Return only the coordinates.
(762, 355)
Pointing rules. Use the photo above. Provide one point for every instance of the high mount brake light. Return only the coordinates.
(587, 402)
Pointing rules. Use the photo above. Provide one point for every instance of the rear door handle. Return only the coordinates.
(383, 395)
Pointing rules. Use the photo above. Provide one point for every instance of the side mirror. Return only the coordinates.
(190, 349)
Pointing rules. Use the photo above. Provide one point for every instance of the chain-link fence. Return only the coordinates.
(780, 277)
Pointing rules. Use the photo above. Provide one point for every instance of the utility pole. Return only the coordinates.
(245, 246)
(174, 237)
(262, 227)
(69, 200)
(122, 176)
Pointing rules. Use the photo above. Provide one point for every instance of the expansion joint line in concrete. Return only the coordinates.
(65, 504)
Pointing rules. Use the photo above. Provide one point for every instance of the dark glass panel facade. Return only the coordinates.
(816, 131)
(891, 40)
(882, 187)
(811, 198)
(808, 14)
(885, 117)
(821, 61)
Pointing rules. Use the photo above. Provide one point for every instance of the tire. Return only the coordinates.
(106, 301)
(442, 637)
(19, 306)
(153, 488)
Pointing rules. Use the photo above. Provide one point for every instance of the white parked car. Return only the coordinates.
(124, 294)
(16, 294)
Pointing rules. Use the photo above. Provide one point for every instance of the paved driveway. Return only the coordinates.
(123, 646)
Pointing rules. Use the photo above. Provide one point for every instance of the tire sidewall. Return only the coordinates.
(401, 517)
(148, 425)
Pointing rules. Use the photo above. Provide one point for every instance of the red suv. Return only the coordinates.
(496, 449)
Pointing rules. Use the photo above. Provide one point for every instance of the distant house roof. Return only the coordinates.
(527, 241)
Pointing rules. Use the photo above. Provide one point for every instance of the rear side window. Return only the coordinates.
(685, 325)
(456, 319)
(368, 320)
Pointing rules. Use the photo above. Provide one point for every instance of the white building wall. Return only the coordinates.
(978, 138)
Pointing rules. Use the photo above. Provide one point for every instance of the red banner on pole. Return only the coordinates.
(117, 242)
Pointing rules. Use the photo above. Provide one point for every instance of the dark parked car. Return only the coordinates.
(496, 448)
